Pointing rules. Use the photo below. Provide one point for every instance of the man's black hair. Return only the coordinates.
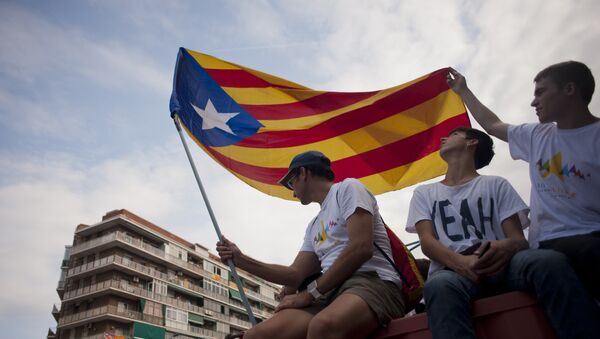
(571, 71)
(484, 151)
(319, 171)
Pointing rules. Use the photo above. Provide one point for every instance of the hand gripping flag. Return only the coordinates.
(253, 124)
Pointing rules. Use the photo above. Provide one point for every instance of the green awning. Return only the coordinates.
(194, 318)
(142, 305)
(147, 331)
(235, 294)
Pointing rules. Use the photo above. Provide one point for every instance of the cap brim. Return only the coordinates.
(284, 181)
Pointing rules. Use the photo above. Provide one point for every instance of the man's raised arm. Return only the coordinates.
(484, 116)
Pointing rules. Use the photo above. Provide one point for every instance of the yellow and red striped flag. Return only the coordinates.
(253, 124)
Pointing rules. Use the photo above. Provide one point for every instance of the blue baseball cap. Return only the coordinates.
(308, 158)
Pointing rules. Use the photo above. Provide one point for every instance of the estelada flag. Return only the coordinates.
(253, 124)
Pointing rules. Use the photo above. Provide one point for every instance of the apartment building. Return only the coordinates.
(125, 277)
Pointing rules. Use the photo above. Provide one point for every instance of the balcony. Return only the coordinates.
(121, 286)
(93, 243)
(261, 297)
(145, 270)
(255, 311)
(102, 336)
(240, 323)
(104, 311)
(123, 238)
(55, 312)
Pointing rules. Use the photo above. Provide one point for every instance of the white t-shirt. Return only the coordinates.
(327, 234)
(463, 215)
(564, 166)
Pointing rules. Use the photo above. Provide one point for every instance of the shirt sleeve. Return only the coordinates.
(510, 203)
(351, 195)
(418, 209)
(520, 140)
(307, 244)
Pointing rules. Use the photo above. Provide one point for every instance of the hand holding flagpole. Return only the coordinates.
(238, 282)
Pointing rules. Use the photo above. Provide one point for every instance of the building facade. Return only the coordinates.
(125, 277)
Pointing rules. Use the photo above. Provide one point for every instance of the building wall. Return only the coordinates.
(125, 270)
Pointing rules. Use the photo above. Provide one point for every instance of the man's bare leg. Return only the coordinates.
(290, 323)
(348, 316)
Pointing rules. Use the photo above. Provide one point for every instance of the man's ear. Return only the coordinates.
(302, 172)
(472, 142)
(569, 89)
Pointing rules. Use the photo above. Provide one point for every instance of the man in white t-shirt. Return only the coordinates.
(358, 290)
(470, 226)
(563, 152)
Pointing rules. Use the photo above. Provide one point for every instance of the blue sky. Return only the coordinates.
(85, 127)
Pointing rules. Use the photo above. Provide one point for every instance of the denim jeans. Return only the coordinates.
(583, 252)
(545, 274)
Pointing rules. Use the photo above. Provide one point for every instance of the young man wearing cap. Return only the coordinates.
(563, 152)
(358, 290)
(470, 226)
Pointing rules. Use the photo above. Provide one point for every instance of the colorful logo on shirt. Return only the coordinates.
(322, 236)
(555, 166)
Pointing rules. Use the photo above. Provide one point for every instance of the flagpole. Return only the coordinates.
(238, 282)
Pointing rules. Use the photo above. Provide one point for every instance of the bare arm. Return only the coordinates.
(484, 116)
(501, 251)
(356, 253)
(434, 249)
(358, 250)
(305, 264)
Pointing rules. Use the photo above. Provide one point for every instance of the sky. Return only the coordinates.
(85, 126)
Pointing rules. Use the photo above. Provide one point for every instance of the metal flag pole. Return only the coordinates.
(238, 282)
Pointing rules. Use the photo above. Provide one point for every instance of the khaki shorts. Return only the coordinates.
(383, 297)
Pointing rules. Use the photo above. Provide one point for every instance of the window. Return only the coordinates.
(176, 318)
(122, 307)
(160, 287)
(216, 270)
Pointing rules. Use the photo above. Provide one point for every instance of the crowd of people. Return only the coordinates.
(470, 226)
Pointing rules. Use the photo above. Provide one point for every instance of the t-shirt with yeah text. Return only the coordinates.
(464, 215)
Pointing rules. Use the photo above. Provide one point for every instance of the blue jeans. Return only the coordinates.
(545, 274)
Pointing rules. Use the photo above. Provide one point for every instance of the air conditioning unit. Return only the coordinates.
(135, 279)
(179, 273)
(207, 312)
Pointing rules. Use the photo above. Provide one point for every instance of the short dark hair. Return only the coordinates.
(571, 71)
(484, 151)
(320, 171)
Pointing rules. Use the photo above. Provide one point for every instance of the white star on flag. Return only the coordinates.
(211, 118)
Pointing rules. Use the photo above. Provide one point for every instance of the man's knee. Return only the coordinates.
(256, 332)
(323, 325)
(262, 330)
(547, 260)
(443, 284)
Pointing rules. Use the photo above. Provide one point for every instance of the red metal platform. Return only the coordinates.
(514, 315)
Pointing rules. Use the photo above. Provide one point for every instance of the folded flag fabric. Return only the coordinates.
(253, 124)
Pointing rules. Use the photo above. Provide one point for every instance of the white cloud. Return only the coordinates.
(33, 48)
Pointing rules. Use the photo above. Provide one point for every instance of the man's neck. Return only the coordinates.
(459, 172)
(321, 190)
(577, 118)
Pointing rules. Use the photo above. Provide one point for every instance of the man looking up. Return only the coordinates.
(470, 226)
(358, 290)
